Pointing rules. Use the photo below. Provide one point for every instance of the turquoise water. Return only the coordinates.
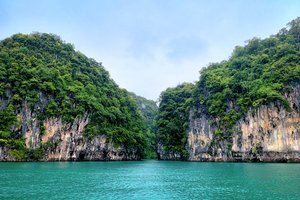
(149, 180)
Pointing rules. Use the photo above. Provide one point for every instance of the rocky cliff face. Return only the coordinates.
(50, 94)
(63, 141)
(162, 154)
(268, 133)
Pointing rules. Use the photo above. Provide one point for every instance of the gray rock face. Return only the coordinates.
(268, 133)
(68, 143)
(5, 155)
(166, 155)
(64, 141)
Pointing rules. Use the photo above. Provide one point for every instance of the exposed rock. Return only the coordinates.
(268, 133)
(5, 154)
(167, 155)
(64, 141)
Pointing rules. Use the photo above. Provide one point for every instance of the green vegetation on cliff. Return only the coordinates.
(149, 111)
(256, 74)
(259, 73)
(172, 119)
(47, 75)
(42, 73)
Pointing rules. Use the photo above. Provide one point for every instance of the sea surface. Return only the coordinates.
(149, 179)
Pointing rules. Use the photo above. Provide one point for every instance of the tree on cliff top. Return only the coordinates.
(172, 119)
(259, 73)
(72, 85)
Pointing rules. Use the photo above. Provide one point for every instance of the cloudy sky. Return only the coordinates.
(149, 45)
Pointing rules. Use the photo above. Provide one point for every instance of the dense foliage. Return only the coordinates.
(256, 74)
(55, 80)
(172, 119)
(148, 110)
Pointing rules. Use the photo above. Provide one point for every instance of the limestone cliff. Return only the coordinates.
(245, 108)
(58, 104)
(62, 141)
(268, 133)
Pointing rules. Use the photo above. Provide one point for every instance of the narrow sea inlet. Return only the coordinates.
(149, 180)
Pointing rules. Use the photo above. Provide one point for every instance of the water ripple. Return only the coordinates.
(149, 180)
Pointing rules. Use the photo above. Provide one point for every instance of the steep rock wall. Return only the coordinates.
(63, 141)
(162, 154)
(268, 133)
(67, 143)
